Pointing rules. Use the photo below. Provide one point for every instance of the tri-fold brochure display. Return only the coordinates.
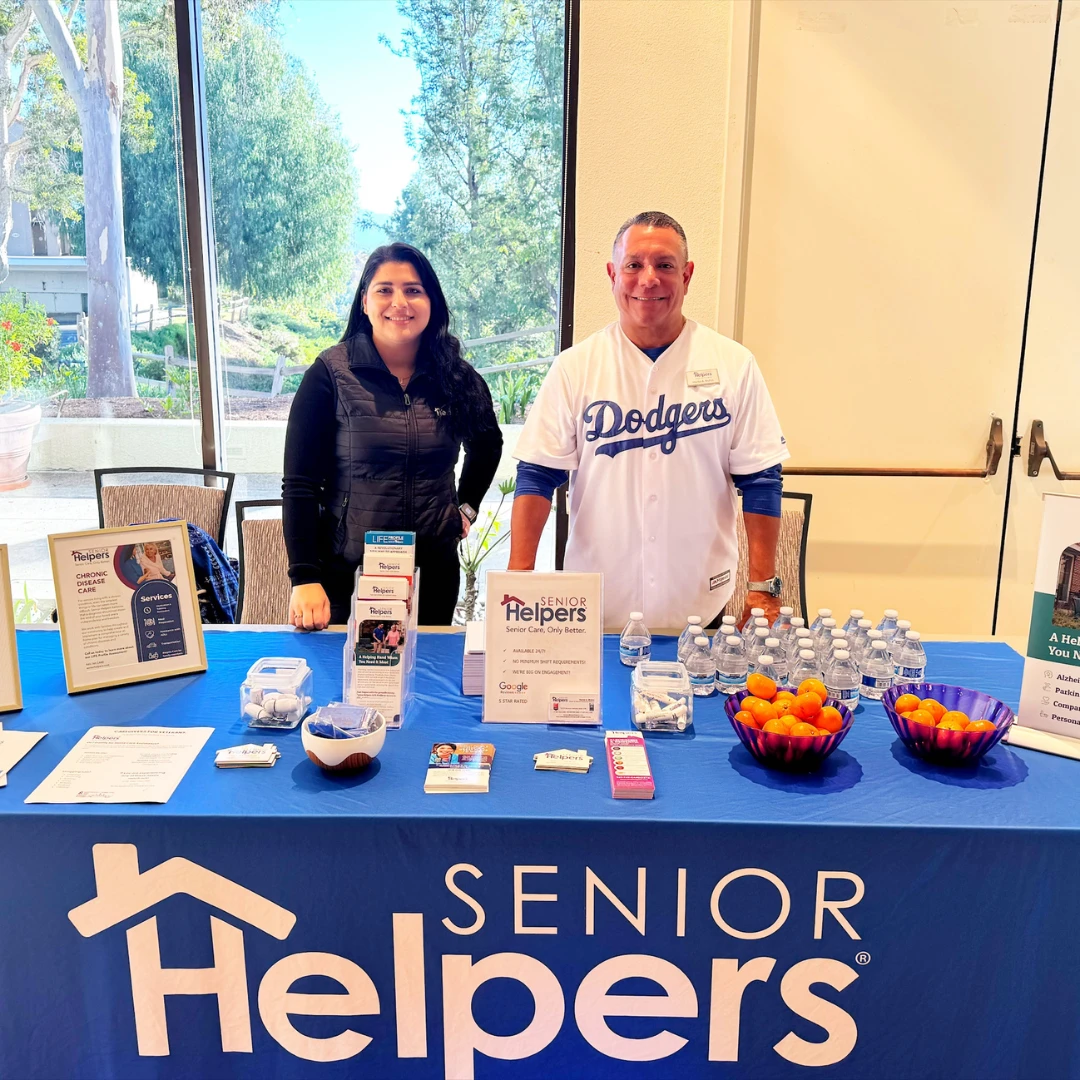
(10, 687)
(543, 643)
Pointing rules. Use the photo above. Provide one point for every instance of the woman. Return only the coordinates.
(374, 435)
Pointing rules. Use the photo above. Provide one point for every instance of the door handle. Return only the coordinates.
(1039, 450)
(994, 447)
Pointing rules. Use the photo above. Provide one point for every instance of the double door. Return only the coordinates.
(910, 283)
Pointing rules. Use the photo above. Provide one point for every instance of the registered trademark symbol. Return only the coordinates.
(862, 959)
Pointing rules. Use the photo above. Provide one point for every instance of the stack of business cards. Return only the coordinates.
(472, 664)
(563, 761)
(464, 766)
(628, 765)
(248, 756)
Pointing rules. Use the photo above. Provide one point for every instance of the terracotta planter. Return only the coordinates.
(18, 422)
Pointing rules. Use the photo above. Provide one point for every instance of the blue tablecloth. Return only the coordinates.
(958, 960)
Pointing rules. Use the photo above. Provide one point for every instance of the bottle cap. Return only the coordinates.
(693, 618)
(903, 624)
(756, 611)
(762, 632)
(913, 635)
(830, 623)
(805, 654)
(772, 643)
(802, 632)
(865, 624)
(796, 621)
(890, 613)
(764, 659)
(637, 616)
(879, 644)
(842, 654)
(728, 620)
(824, 612)
(733, 640)
(838, 633)
(760, 620)
(787, 611)
(702, 641)
(873, 635)
(856, 614)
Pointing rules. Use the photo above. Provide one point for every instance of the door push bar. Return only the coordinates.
(1039, 450)
(994, 447)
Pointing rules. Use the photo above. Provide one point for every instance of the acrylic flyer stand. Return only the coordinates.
(379, 658)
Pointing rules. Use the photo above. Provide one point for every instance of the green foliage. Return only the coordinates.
(67, 373)
(28, 610)
(485, 535)
(24, 327)
(154, 341)
(513, 393)
(484, 203)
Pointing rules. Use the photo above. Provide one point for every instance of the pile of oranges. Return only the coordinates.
(802, 714)
(932, 713)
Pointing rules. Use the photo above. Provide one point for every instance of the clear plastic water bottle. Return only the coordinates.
(859, 642)
(635, 642)
(779, 659)
(912, 664)
(887, 626)
(876, 672)
(822, 613)
(752, 625)
(731, 666)
(842, 679)
(767, 667)
(783, 622)
(871, 637)
(800, 640)
(896, 642)
(757, 646)
(686, 638)
(728, 626)
(806, 667)
(853, 620)
(823, 637)
(700, 668)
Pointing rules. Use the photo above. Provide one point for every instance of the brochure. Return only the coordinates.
(459, 766)
(10, 687)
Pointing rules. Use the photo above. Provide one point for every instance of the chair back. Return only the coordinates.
(790, 555)
(265, 587)
(133, 503)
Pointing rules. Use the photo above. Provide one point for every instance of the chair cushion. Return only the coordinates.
(265, 572)
(132, 504)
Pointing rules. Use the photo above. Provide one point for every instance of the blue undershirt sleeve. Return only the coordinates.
(761, 491)
(538, 479)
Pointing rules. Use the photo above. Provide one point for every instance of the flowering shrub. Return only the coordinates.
(23, 328)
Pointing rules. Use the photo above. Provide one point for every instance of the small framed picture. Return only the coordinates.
(127, 605)
(10, 687)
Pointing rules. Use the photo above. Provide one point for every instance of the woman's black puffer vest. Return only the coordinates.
(395, 452)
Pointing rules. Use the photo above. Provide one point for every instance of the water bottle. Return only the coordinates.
(752, 625)
(853, 620)
(800, 640)
(896, 642)
(728, 626)
(757, 646)
(686, 638)
(779, 660)
(842, 679)
(871, 637)
(783, 622)
(767, 667)
(876, 671)
(635, 642)
(887, 626)
(860, 643)
(912, 665)
(823, 637)
(730, 665)
(822, 613)
(700, 668)
(806, 667)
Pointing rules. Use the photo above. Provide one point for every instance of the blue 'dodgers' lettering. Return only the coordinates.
(605, 420)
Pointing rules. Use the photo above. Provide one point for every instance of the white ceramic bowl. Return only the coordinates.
(343, 755)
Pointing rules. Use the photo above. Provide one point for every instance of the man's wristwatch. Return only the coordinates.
(470, 513)
(772, 586)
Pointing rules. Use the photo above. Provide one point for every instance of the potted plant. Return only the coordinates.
(484, 537)
(23, 328)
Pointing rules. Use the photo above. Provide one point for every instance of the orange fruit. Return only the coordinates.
(906, 702)
(951, 725)
(803, 730)
(807, 706)
(745, 718)
(782, 706)
(830, 719)
(750, 701)
(822, 731)
(920, 716)
(962, 718)
(775, 727)
(814, 686)
(981, 725)
(784, 695)
(762, 711)
(934, 708)
(761, 686)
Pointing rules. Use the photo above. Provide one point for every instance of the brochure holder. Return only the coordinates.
(379, 659)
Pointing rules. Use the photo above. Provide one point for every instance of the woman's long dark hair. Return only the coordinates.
(469, 404)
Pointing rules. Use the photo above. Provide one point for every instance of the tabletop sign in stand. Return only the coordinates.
(1050, 697)
(379, 659)
(10, 686)
(543, 640)
(127, 605)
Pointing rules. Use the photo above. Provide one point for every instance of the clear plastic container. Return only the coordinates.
(660, 696)
(276, 693)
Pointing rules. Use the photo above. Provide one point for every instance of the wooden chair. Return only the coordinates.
(790, 555)
(264, 566)
(196, 500)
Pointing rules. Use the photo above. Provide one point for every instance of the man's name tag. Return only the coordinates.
(702, 377)
(573, 709)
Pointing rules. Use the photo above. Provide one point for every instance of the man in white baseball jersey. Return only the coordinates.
(657, 419)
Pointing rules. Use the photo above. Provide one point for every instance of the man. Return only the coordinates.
(659, 419)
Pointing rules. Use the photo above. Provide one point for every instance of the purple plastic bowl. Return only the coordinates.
(949, 747)
(788, 752)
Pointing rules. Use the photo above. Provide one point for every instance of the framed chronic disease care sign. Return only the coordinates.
(127, 605)
(10, 687)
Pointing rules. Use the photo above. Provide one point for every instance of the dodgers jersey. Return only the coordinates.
(651, 448)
